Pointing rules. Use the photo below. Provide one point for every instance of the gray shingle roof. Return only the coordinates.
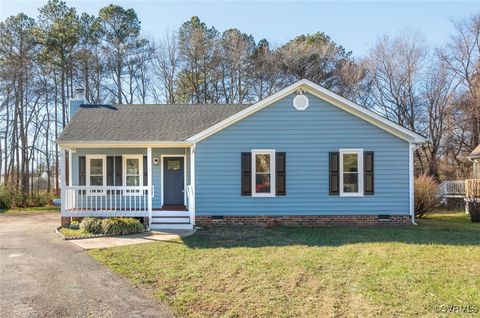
(143, 122)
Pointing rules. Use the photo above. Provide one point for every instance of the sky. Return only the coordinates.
(354, 25)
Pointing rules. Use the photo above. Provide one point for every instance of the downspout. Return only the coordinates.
(412, 147)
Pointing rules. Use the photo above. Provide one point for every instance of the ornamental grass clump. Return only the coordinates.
(91, 225)
(426, 195)
(121, 226)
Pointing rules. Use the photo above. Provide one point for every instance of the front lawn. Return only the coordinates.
(29, 211)
(310, 272)
(74, 233)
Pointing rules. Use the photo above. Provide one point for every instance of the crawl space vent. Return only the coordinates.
(300, 102)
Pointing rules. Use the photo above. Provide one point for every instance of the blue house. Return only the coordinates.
(303, 156)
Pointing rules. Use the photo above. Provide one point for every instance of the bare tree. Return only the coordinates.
(165, 69)
(395, 67)
(438, 95)
(462, 56)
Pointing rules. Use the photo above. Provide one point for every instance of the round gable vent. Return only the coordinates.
(300, 102)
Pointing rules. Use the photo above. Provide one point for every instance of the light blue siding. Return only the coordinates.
(307, 137)
(156, 169)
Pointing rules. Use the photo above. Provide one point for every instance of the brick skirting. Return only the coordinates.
(304, 220)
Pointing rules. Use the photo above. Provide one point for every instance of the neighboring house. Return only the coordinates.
(472, 186)
(475, 158)
(303, 156)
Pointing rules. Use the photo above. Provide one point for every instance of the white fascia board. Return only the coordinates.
(323, 94)
(123, 144)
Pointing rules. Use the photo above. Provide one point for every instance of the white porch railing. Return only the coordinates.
(106, 201)
(452, 189)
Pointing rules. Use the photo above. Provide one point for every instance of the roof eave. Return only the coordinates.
(71, 144)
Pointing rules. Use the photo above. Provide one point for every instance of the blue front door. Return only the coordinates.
(173, 181)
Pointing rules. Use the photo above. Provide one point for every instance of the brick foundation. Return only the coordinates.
(65, 221)
(303, 220)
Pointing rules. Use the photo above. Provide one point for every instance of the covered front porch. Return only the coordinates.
(154, 182)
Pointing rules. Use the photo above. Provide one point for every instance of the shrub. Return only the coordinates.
(7, 196)
(473, 208)
(91, 225)
(11, 197)
(74, 225)
(121, 226)
(426, 199)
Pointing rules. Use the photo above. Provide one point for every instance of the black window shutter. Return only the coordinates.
(145, 171)
(334, 173)
(82, 174)
(281, 173)
(118, 171)
(368, 165)
(110, 171)
(246, 181)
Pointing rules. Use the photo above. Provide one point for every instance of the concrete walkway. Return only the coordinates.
(44, 276)
(104, 242)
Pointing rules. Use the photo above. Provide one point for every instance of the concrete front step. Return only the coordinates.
(171, 226)
(170, 219)
(170, 213)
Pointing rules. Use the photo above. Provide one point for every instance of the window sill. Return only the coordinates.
(346, 195)
(266, 195)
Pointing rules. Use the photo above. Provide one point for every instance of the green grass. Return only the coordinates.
(29, 211)
(68, 233)
(310, 272)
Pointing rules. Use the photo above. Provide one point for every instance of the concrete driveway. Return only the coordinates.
(44, 276)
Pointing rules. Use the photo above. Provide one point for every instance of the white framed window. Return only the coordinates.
(133, 173)
(351, 172)
(263, 173)
(96, 170)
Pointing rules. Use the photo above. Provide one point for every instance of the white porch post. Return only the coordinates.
(62, 180)
(192, 184)
(70, 181)
(149, 183)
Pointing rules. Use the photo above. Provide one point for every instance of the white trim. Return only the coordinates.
(270, 152)
(73, 144)
(324, 94)
(140, 172)
(70, 181)
(62, 181)
(184, 177)
(124, 168)
(359, 153)
(87, 172)
(192, 184)
(410, 182)
(149, 184)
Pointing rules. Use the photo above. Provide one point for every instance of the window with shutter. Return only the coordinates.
(351, 172)
(96, 173)
(133, 173)
(264, 173)
(369, 173)
(281, 173)
(334, 173)
(110, 171)
(246, 177)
